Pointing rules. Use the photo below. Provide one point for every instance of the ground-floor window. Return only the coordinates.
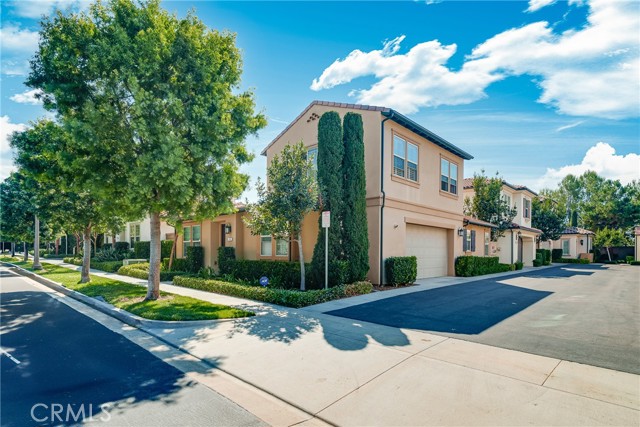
(265, 246)
(469, 241)
(565, 247)
(282, 247)
(134, 234)
(487, 239)
(192, 237)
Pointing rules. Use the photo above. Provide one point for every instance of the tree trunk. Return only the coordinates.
(57, 243)
(36, 245)
(86, 256)
(301, 256)
(77, 236)
(173, 248)
(13, 249)
(153, 286)
(26, 252)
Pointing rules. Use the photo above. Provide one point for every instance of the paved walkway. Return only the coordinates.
(356, 373)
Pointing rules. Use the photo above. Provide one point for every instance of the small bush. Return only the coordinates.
(122, 247)
(573, 261)
(141, 271)
(537, 262)
(519, 265)
(110, 255)
(358, 288)
(546, 256)
(108, 266)
(401, 270)
(142, 250)
(286, 297)
(195, 258)
(556, 254)
(468, 266)
(628, 259)
(635, 263)
(226, 256)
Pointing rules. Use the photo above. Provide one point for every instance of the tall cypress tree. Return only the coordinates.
(330, 177)
(355, 240)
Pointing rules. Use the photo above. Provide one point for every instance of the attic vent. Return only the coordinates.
(312, 117)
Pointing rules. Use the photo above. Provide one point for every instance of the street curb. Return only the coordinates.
(108, 309)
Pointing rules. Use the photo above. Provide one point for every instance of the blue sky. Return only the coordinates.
(534, 90)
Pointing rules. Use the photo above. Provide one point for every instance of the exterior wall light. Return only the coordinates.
(227, 228)
(460, 232)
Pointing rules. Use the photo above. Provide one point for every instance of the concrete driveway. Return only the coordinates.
(583, 313)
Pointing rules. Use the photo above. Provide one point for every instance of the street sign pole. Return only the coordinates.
(326, 223)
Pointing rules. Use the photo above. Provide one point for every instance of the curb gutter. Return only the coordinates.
(108, 309)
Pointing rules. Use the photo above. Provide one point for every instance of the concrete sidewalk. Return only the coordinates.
(356, 373)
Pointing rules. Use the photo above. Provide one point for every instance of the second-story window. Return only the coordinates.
(507, 198)
(405, 159)
(448, 176)
(527, 208)
(312, 156)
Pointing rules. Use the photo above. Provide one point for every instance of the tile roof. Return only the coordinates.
(390, 114)
(471, 220)
(515, 226)
(468, 183)
(577, 230)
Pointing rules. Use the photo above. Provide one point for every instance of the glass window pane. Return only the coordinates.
(444, 183)
(398, 166)
(399, 147)
(312, 156)
(265, 246)
(196, 233)
(453, 172)
(412, 171)
(444, 167)
(453, 188)
(412, 153)
(187, 234)
(282, 247)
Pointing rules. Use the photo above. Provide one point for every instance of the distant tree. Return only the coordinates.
(608, 237)
(545, 217)
(154, 105)
(330, 187)
(488, 204)
(17, 212)
(355, 239)
(291, 195)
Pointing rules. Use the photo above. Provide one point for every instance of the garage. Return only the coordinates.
(429, 245)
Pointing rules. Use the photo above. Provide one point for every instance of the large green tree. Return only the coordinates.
(155, 108)
(330, 187)
(42, 155)
(547, 217)
(17, 211)
(292, 194)
(355, 238)
(487, 204)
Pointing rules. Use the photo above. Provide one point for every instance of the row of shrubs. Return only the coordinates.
(141, 271)
(468, 266)
(279, 296)
(281, 274)
(573, 260)
(108, 266)
(543, 257)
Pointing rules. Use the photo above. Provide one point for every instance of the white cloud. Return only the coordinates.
(36, 8)
(570, 125)
(17, 45)
(592, 71)
(602, 159)
(6, 153)
(29, 97)
(535, 5)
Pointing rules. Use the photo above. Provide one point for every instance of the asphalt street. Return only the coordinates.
(60, 367)
(581, 313)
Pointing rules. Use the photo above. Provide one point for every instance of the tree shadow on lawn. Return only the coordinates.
(69, 359)
(467, 308)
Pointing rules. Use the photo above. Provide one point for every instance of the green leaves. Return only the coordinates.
(488, 205)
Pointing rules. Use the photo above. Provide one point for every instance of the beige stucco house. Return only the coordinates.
(574, 241)
(414, 198)
(518, 242)
(140, 231)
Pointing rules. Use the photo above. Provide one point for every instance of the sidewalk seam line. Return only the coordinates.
(551, 373)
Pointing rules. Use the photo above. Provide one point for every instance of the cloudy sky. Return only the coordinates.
(534, 90)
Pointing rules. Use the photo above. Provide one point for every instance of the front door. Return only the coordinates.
(223, 235)
(520, 248)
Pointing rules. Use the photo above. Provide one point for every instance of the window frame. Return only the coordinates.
(262, 237)
(132, 226)
(526, 208)
(457, 184)
(405, 159)
(487, 240)
(568, 242)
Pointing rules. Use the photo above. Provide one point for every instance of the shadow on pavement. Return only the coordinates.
(468, 308)
(70, 360)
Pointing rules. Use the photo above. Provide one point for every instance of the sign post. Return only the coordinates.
(326, 223)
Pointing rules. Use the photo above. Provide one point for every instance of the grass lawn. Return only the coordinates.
(131, 297)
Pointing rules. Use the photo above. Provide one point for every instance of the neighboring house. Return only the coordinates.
(476, 238)
(140, 231)
(519, 241)
(573, 241)
(414, 199)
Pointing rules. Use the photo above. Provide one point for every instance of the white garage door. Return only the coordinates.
(429, 245)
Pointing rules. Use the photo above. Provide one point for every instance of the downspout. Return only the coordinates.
(384, 196)
(512, 246)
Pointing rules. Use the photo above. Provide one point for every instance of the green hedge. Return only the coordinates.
(539, 259)
(286, 297)
(635, 263)
(108, 266)
(281, 274)
(468, 266)
(401, 270)
(122, 247)
(141, 271)
(226, 257)
(573, 261)
(195, 259)
(556, 254)
(519, 265)
(142, 250)
(546, 256)
(179, 264)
